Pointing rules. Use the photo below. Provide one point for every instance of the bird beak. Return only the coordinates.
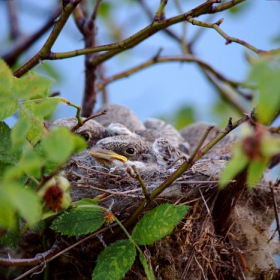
(106, 157)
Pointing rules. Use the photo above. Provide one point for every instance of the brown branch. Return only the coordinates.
(275, 208)
(39, 258)
(226, 93)
(89, 118)
(13, 19)
(221, 135)
(89, 32)
(227, 200)
(96, 9)
(200, 143)
(79, 17)
(24, 42)
(157, 59)
(45, 50)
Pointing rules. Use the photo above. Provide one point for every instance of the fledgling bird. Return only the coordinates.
(116, 150)
(119, 114)
(127, 150)
(91, 130)
(194, 132)
(151, 133)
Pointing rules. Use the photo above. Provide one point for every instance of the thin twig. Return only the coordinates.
(275, 209)
(45, 50)
(221, 135)
(23, 43)
(89, 118)
(96, 9)
(141, 182)
(200, 143)
(13, 19)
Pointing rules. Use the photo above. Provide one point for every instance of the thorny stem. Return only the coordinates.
(221, 135)
(200, 143)
(141, 182)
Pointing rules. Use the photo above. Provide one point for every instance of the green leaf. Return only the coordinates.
(4, 166)
(265, 74)
(15, 198)
(36, 122)
(114, 261)
(7, 213)
(32, 86)
(7, 99)
(270, 145)
(236, 164)
(9, 104)
(19, 132)
(158, 223)
(184, 117)
(105, 9)
(31, 164)
(148, 271)
(85, 202)
(255, 172)
(48, 164)
(26, 202)
(46, 107)
(7, 154)
(61, 144)
(79, 221)
(6, 76)
(11, 237)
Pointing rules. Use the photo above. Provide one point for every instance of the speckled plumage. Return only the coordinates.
(194, 132)
(119, 114)
(91, 130)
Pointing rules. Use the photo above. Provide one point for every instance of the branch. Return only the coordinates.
(24, 42)
(231, 126)
(39, 258)
(223, 34)
(13, 19)
(226, 93)
(133, 40)
(160, 13)
(44, 52)
(157, 59)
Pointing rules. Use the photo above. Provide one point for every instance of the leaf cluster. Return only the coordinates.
(259, 146)
(28, 150)
(117, 258)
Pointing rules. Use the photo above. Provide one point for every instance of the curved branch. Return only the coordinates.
(43, 53)
(23, 43)
(156, 59)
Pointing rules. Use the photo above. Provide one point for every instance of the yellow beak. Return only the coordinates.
(106, 157)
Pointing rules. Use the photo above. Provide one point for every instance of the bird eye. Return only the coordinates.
(86, 136)
(130, 151)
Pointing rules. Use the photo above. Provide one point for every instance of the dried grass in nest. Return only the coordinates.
(193, 250)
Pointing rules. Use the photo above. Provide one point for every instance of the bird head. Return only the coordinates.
(116, 150)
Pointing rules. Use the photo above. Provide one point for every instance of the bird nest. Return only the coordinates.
(225, 234)
(194, 250)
